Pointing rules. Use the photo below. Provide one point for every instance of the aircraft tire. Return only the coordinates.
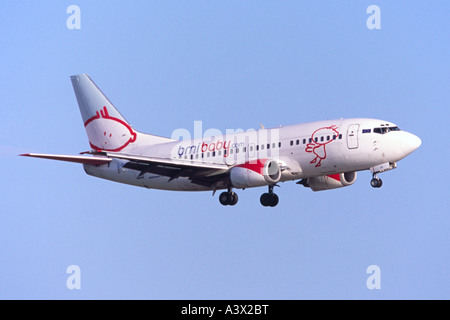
(274, 200)
(376, 182)
(265, 199)
(233, 198)
(224, 198)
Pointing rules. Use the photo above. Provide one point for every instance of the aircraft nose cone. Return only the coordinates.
(410, 143)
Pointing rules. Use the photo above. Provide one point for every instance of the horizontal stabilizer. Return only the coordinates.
(76, 159)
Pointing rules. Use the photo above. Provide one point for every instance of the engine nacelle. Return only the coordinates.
(256, 173)
(333, 181)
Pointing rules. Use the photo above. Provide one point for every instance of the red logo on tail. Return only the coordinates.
(108, 133)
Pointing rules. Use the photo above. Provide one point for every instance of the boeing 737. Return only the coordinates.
(319, 155)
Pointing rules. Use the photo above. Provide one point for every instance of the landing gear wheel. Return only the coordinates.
(274, 200)
(265, 199)
(224, 198)
(376, 182)
(228, 198)
(233, 199)
(269, 199)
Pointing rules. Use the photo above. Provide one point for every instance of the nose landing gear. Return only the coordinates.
(269, 199)
(377, 182)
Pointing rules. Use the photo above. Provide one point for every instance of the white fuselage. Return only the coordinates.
(303, 151)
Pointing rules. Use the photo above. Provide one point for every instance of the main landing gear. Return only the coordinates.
(269, 199)
(228, 198)
(376, 182)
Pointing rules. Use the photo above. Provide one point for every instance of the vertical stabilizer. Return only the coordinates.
(106, 128)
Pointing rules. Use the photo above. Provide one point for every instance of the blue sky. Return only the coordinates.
(229, 64)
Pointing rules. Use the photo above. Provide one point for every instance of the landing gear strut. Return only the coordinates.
(269, 199)
(376, 182)
(228, 198)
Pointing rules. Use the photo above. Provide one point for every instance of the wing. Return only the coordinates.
(205, 174)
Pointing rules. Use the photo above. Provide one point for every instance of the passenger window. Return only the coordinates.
(340, 136)
(292, 142)
(304, 141)
(297, 142)
(268, 146)
(279, 144)
(321, 139)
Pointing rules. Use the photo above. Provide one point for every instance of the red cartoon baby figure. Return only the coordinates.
(317, 144)
(108, 133)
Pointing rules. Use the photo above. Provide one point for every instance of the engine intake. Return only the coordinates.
(272, 171)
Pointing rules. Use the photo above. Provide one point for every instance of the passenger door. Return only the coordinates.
(352, 136)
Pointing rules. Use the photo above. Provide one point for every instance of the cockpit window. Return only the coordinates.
(384, 130)
(380, 130)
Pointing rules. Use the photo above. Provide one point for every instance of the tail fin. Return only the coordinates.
(106, 128)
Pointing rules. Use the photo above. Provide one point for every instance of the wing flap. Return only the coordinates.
(198, 172)
(165, 161)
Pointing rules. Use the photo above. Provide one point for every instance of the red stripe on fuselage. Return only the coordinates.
(255, 165)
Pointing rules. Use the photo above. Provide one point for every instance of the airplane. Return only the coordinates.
(319, 155)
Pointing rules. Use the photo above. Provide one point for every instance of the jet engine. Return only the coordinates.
(333, 181)
(255, 174)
